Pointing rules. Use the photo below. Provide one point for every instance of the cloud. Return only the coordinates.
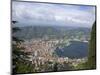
(27, 13)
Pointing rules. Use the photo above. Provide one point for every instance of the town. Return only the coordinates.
(42, 51)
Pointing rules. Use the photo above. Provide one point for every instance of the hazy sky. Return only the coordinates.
(33, 13)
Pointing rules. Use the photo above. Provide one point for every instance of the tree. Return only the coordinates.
(19, 64)
(91, 63)
(55, 68)
(92, 48)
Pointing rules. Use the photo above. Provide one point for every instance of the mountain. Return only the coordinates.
(52, 32)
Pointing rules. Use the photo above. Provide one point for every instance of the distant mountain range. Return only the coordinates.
(31, 32)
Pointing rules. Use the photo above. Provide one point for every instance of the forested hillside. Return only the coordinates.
(92, 48)
(52, 32)
(91, 63)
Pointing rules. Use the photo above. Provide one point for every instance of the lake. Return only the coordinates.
(76, 49)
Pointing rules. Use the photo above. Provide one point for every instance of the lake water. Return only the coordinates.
(76, 49)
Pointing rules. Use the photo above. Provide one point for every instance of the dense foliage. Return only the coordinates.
(20, 64)
(91, 63)
(92, 48)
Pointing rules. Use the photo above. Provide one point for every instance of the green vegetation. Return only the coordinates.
(91, 63)
(52, 32)
(55, 67)
(92, 49)
(20, 65)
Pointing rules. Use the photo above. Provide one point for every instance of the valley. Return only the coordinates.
(51, 47)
